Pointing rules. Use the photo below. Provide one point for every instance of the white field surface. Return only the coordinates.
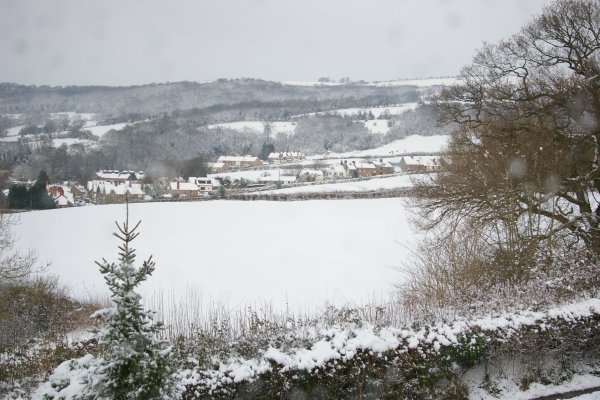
(257, 126)
(252, 175)
(418, 82)
(296, 254)
(378, 126)
(376, 111)
(100, 130)
(369, 185)
(410, 144)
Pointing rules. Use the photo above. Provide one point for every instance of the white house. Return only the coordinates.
(205, 185)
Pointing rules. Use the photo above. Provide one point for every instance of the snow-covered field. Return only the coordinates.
(258, 126)
(251, 175)
(418, 82)
(410, 144)
(296, 254)
(376, 111)
(392, 182)
(100, 130)
(377, 125)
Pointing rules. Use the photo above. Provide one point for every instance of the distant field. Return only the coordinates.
(296, 254)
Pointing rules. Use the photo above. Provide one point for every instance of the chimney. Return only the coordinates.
(177, 184)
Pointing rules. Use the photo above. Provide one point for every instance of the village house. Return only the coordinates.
(383, 168)
(61, 195)
(311, 175)
(118, 177)
(279, 157)
(183, 189)
(236, 162)
(216, 167)
(420, 163)
(277, 179)
(205, 185)
(363, 169)
(104, 192)
(337, 171)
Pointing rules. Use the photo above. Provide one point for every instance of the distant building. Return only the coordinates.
(420, 163)
(275, 179)
(231, 162)
(183, 189)
(277, 158)
(311, 175)
(105, 192)
(217, 167)
(383, 168)
(117, 177)
(337, 171)
(371, 168)
(205, 185)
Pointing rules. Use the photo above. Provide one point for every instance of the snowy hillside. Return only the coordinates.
(297, 253)
(410, 144)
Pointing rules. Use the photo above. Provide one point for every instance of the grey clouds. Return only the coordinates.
(112, 42)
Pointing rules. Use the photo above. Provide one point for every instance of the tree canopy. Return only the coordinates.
(524, 160)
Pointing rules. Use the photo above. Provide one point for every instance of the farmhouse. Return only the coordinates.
(239, 161)
(420, 163)
(183, 189)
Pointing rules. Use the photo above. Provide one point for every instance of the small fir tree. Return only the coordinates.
(135, 363)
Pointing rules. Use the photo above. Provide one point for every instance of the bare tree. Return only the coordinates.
(14, 265)
(525, 160)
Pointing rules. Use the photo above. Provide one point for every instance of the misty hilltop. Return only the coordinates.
(166, 97)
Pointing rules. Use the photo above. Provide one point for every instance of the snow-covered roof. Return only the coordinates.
(120, 189)
(237, 159)
(275, 178)
(202, 180)
(286, 155)
(365, 165)
(311, 172)
(119, 175)
(62, 201)
(183, 186)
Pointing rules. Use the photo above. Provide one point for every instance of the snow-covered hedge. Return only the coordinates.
(346, 361)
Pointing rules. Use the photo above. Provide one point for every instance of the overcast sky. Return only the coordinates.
(124, 42)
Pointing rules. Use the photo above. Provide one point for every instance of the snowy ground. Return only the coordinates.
(100, 130)
(393, 182)
(258, 126)
(252, 175)
(419, 82)
(410, 144)
(299, 254)
(376, 111)
(379, 126)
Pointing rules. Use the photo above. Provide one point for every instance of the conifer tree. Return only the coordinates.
(135, 364)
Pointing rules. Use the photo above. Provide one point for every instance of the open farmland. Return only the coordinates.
(296, 254)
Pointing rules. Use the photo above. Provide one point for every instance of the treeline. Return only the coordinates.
(157, 98)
